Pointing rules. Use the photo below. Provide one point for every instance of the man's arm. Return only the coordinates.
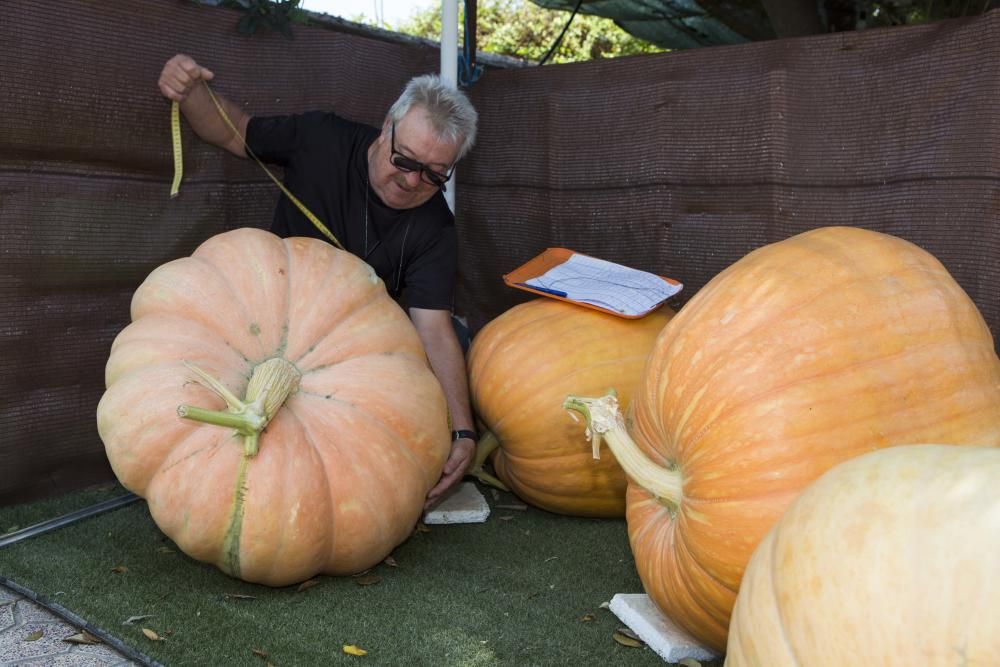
(448, 363)
(181, 81)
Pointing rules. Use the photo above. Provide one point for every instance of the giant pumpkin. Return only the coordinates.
(314, 427)
(521, 365)
(803, 354)
(888, 559)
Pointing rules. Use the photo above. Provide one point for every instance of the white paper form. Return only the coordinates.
(605, 284)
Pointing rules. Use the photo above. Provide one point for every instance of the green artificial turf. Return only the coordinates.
(514, 590)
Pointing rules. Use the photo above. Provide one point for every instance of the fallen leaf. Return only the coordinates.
(390, 561)
(82, 637)
(587, 618)
(421, 528)
(506, 517)
(351, 649)
(135, 619)
(152, 636)
(260, 652)
(551, 558)
(626, 641)
(168, 632)
(34, 636)
(689, 662)
(165, 550)
(121, 569)
(367, 580)
(237, 596)
(307, 584)
(517, 507)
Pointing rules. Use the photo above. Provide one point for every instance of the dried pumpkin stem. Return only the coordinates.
(605, 422)
(270, 385)
(488, 442)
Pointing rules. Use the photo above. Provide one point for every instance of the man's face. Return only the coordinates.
(414, 138)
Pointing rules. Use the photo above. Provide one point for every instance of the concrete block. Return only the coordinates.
(463, 504)
(671, 642)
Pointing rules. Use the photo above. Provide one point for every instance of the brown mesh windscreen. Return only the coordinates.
(678, 164)
(682, 163)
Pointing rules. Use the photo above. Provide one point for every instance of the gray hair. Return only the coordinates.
(451, 113)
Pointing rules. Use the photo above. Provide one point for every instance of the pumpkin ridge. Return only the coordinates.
(774, 592)
(511, 336)
(231, 539)
(291, 413)
(339, 324)
(720, 363)
(244, 306)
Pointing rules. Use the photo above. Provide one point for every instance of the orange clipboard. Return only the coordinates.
(552, 257)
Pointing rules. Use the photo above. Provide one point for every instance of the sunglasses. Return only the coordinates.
(427, 175)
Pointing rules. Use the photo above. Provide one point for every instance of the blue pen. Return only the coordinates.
(547, 290)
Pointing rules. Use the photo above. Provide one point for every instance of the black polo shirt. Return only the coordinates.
(325, 160)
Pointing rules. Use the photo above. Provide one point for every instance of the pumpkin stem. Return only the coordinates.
(488, 442)
(605, 422)
(270, 385)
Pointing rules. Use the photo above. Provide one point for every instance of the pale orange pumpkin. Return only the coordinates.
(358, 429)
(521, 366)
(803, 354)
(887, 559)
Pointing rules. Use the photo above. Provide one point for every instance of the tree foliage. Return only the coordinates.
(521, 29)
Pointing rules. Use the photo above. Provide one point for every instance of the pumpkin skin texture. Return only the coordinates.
(888, 559)
(344, 465)
(521, 366)
(801, 355)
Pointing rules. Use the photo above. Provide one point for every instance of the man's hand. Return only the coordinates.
(180, 74)
(462, 452)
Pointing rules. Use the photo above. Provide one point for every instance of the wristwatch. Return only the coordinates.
(463, 433)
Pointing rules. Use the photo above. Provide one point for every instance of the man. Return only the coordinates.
(379, 193)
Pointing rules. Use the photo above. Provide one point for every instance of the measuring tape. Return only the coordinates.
(175, 135)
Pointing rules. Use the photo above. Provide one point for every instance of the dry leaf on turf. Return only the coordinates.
(390, 561)
(34, 636)
(238, 596)
(121, 569)
(82, 637)
(351, 649)
(367, 579)
(421, 528)
(135, 619)
(587, 618)
(626, 637)
(307, 584)
(165, 550)
(152, 636)
(260, 653)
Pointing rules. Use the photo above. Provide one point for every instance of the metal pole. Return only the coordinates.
(449, 65)
(67, 519)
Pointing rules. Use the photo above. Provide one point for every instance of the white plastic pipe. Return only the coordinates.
(449, 65)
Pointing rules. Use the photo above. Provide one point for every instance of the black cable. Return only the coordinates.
(559, 38)
(80, 624)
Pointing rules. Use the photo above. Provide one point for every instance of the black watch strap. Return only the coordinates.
(462, 433)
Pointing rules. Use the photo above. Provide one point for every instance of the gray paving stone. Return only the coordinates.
(21, 617)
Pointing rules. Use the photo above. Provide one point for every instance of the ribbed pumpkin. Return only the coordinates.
(803, 354)
(888, 559)
(338, 476)
(521, 366)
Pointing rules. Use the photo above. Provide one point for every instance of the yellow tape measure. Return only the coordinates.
(175, 136)
(175, 133)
